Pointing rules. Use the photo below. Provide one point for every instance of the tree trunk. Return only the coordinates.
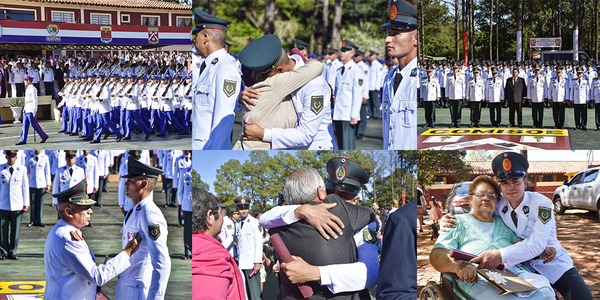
(313, 44)
(457, 33)
(596, 29)
(270, 9)
(212, 7)
(471, 30)
(337, 23)
(519, 30)
(325, 29)
(464, 25)
(497, 26)
(491, 27)
(559, 12)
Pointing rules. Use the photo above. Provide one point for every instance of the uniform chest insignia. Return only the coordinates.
(76, 236)
(154, 231)
(413, 73)
(544, 214)
(138, 208)
(505, 209)
(369, 236)
(360, 82)
(215, 61)
(229, 227)
(526, 209)
(229, 87)
(316, 104)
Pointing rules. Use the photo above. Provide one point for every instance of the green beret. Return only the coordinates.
(262, 54)
(137, 168)
(77, 194)
(345, 175)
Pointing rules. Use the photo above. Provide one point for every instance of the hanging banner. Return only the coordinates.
(552, 42)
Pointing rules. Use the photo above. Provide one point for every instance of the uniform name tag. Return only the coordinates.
(316, 104)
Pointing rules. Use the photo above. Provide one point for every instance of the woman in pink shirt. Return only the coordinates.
(215, 274)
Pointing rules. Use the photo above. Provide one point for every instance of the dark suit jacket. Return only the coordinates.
(398, 266)
(303, 240)
(515, 93)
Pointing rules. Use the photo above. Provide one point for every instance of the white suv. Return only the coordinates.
(581, 192)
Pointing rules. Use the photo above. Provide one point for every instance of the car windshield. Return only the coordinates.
(463, 189)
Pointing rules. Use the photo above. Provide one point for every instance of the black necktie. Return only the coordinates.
(202, 67)
(514, 81)
(579, 81)
(85, 160)
(70, 171)
(397, 80)
(11, 170)
(242, 225)
(513, 215)
(128, 214)
(35, 158)
(343, 69)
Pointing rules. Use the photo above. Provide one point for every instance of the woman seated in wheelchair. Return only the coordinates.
(480, 231)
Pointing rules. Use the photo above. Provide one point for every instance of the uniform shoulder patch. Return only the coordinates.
(413, 73)
(76, 236)
(317, 103)
(544, 214)
(154, 231)
(229, 87)
(370, 236)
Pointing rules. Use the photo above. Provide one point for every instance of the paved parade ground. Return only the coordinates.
(577, 232)
(9, 136)
(104, 238)
(576, 139)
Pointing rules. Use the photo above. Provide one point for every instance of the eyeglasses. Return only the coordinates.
(480, 195)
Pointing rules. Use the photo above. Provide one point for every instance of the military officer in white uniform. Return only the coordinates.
(184, 197)
(536, 90)
(40, 181)
(399, 92)
(557, 94)
(595, 95)
(124, 201)
(67, 176)
(71, 270)
(89, 164)
(227, 234)
(530, 216)
(494, 95)
(475, 94)
(14, 200)
(151, 265)
(430, 93)
(580, 89)
(249, 247)
(455, 93)
(102, 98)
(216, 88)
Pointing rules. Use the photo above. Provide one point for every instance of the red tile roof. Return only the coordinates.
(124, 3)
(537, 167)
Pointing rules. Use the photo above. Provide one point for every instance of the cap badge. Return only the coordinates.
(243, 201)
(506, 164)
(343, 43)
(393, 12)
(340, 172)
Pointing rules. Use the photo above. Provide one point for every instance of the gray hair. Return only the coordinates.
(301, 186)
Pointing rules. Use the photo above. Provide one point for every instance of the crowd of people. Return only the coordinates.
(77, 181)
(291, 99)
(501, 84)
(335, 242)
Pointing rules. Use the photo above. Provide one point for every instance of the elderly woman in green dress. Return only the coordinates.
(480, 231)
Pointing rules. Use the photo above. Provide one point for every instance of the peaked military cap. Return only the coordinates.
(242, 201)
(537, 68)
(77, 194)
(494, 71)
(262, 54)
(579, 70)
(509, 165)
(70, 153)
(226, 45)
(345, 175)
(300, 44)
(358, 53)
(28, 77)
(476, 70)
(204, 20)
(348, 45)
(135, 153)
(137, 168)
(373, 53)
(11, 152)
(332, 51)
(403, 16)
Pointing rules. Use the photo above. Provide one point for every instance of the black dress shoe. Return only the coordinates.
(30, 224)
(40, 225)
(119, 139)
(74, 134)
(183, 133)
(583, 128)
(126, 138)
(44, 140)
(94, 142)
(88, 138)
(20, 143)
(12, 256)
(147, 136)
(161, 135)
(61, 131)
(2, 256)
(106, 135)
(520, 126)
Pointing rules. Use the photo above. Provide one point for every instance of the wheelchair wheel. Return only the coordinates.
(432, 291)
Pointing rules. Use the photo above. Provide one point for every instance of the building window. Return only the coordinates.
(125, 18)
(66, 17)
(150, 20)
(184, 22)
(14, 14)
(101, 19)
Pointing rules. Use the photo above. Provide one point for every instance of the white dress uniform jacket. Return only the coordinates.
(71, 270)
(536, 89)
(91, 170)
(400, 109)
(150, 265)
(476, 89)
(226, 235)
(31, 100)
(456, 86)
(39, 171)
(430, 89)
(14, 188)
(102, 102)
(348, 92)
(184, 188)
(64, 180)
(375, 76)
(579, 91)
(558, 89)
(536, 225)
(494, 90)
(249, 242)
(215, 95)
(596, 91)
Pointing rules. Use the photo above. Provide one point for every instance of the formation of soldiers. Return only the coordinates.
(121, 98)
(495, 84)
